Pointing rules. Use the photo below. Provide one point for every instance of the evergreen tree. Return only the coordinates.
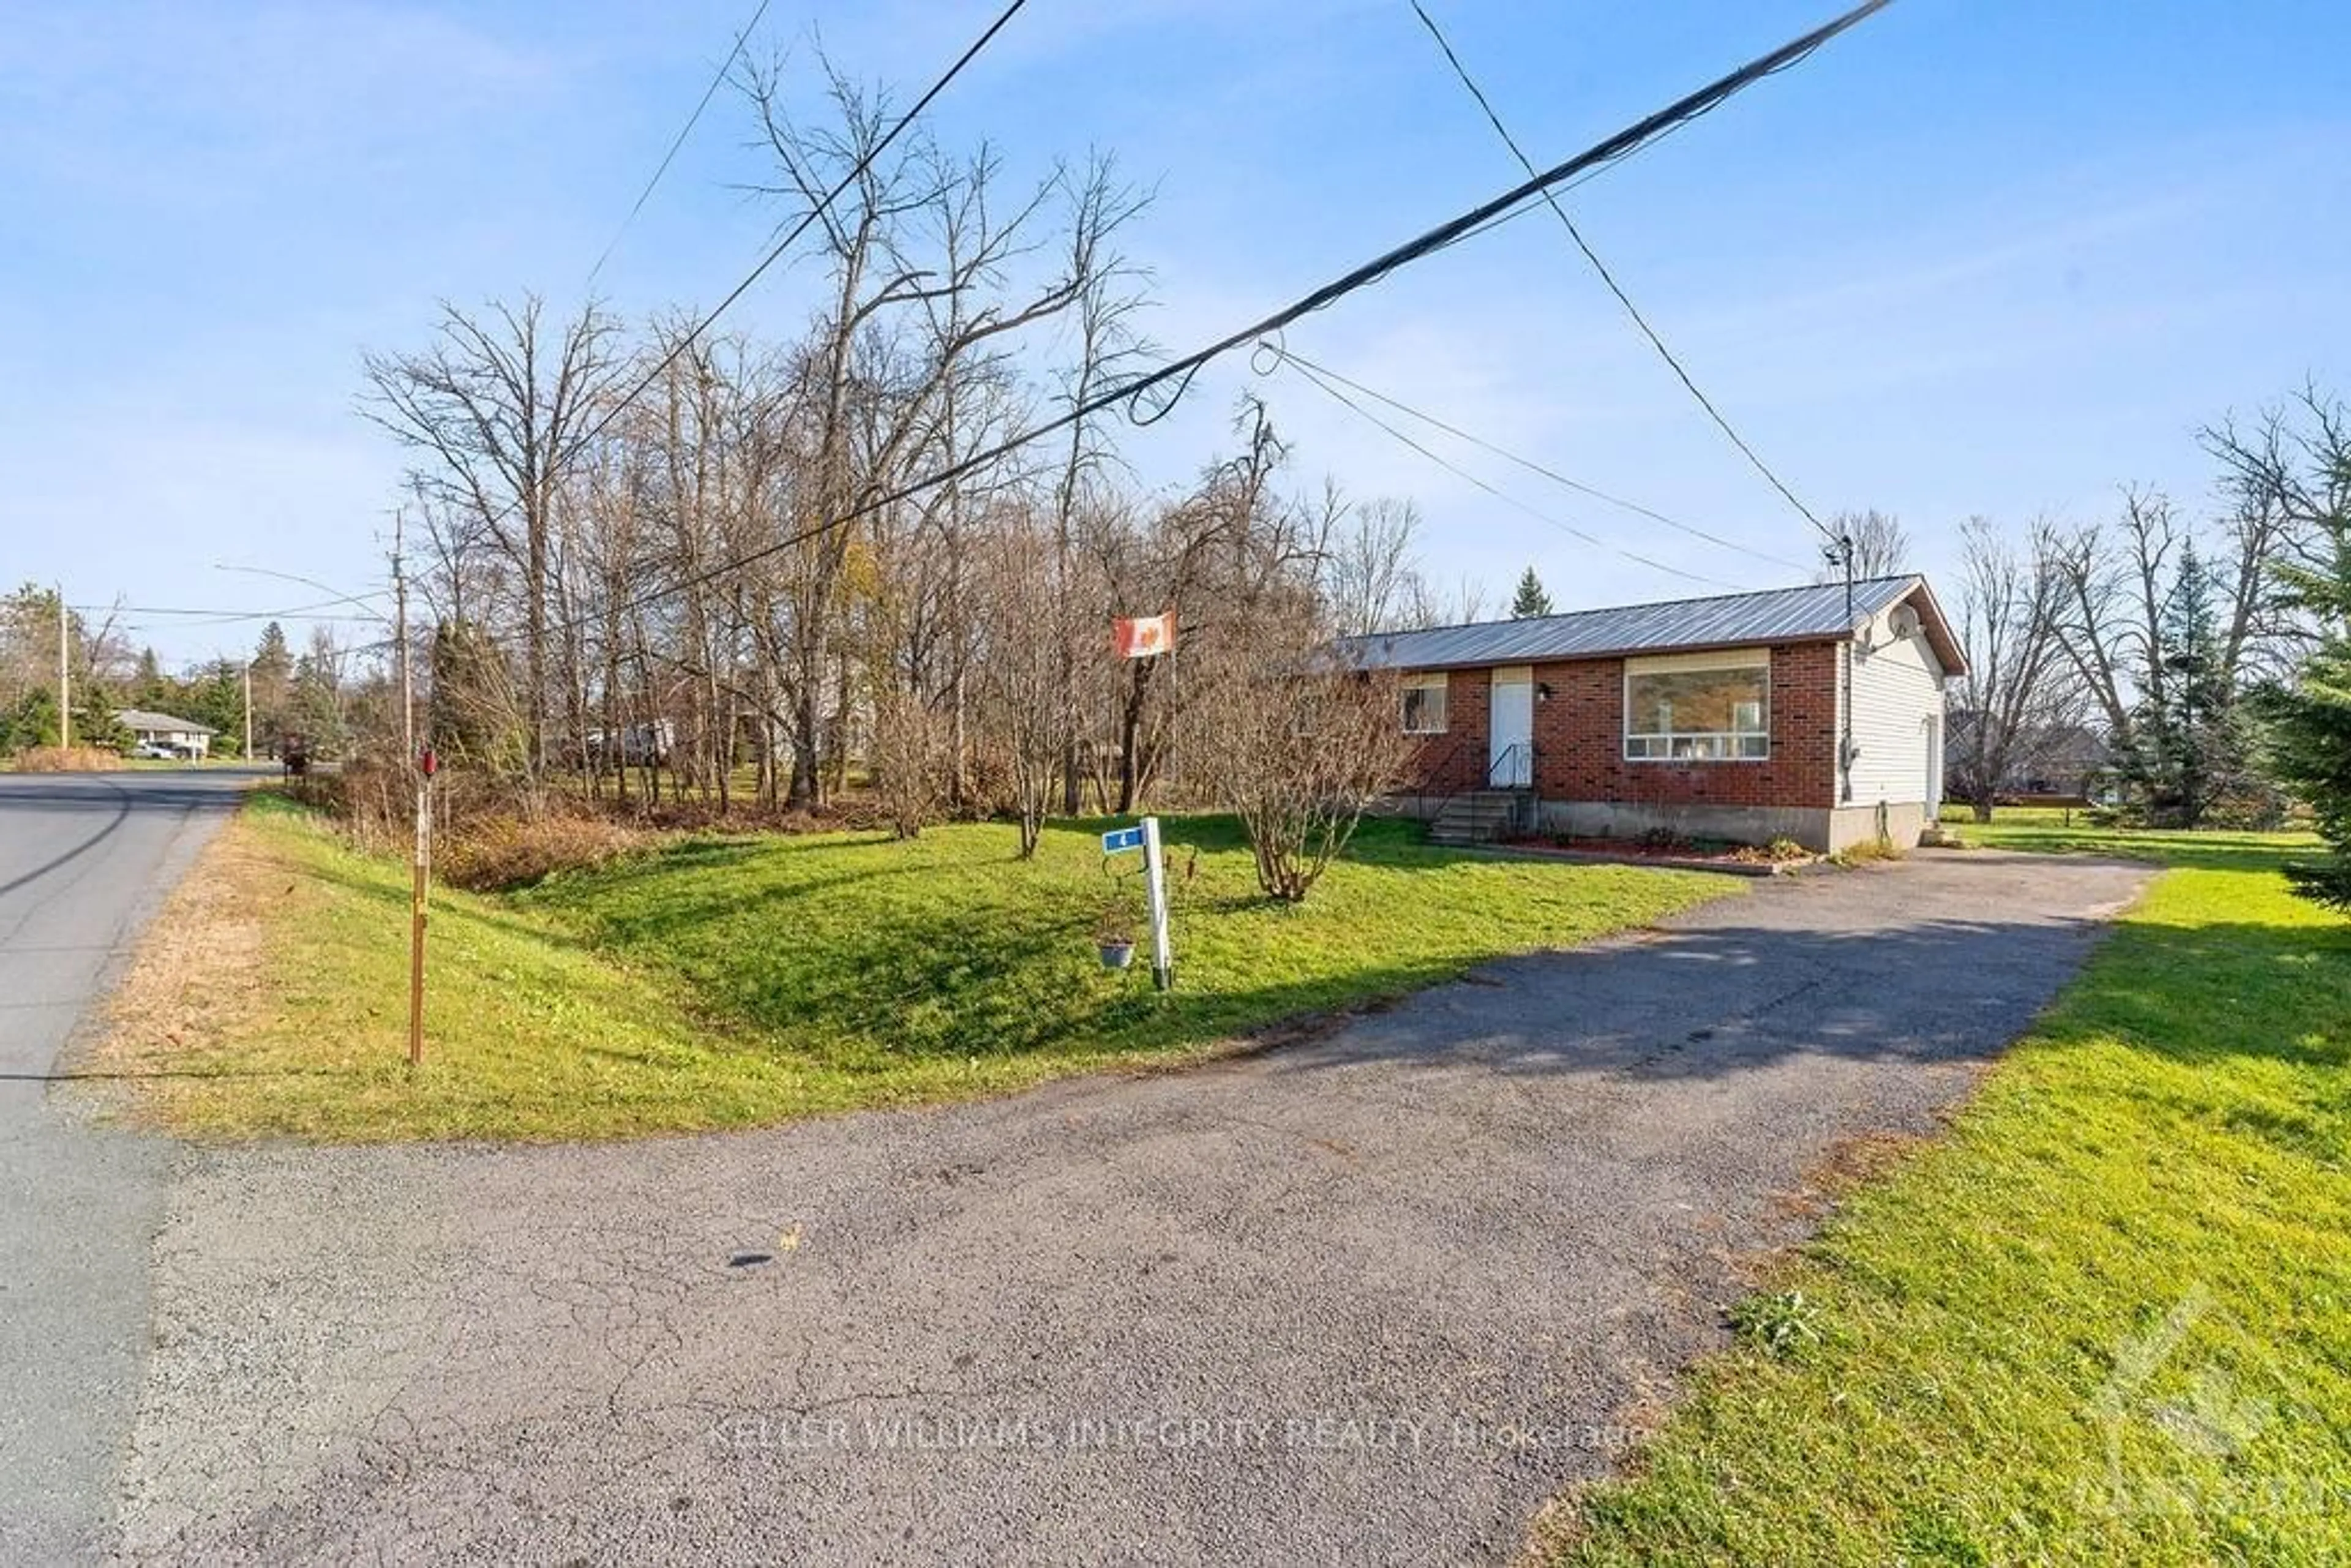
(33, 721)
(95, 724)
(473, 714)
(2187, 747)
(214, 695)
(316, 707)
(1531, 598)
(28, 668)
(2307, 739)
(151, 689)
(273, 685)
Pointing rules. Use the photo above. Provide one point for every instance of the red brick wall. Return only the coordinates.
(1580, 739)
(1442, 764)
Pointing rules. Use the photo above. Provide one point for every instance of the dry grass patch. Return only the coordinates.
(66, 759)
(515, 852)
(196, 972)
(1847, 1166)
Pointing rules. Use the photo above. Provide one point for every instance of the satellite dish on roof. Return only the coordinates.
(1902, 620)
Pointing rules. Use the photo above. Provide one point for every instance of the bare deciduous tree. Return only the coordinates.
(922, 262)
(1025, 674)
(1371, 579)
(2111, 606)
(1427, 605)
(498, 410)
(1881, 546)
(2021, 697)
(743, 564)
(2286, 479)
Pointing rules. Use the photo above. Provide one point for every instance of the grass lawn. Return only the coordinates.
(2107, 1320)
(729, 981)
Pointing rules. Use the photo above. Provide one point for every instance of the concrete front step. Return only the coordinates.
(1483, 799)
(1478, 817)
(1475, 811)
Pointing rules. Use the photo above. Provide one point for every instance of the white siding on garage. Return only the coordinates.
(1897, 689)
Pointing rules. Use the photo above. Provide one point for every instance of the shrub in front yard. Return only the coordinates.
(1294, 747)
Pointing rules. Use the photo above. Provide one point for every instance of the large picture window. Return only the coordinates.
(1424, 705)
(1708, 709)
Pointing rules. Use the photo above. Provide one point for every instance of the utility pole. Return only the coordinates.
(420, 859)
(1844, 740)
(64, 673)
(248, 710)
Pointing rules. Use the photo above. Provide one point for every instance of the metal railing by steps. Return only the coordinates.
(1481, 816)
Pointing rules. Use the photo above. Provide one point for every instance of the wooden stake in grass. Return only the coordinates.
(420, 859)
(420, 864)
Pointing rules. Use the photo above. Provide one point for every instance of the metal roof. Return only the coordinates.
(140, 718)
(1730, 621)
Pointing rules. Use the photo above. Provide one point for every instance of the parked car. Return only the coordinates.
(155, 751)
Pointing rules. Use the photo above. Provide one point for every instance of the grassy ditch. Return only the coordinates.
(717, 982)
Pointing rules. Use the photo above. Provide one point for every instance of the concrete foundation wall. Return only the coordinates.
(1808, 826)
(1824, 832)
(1900, 822)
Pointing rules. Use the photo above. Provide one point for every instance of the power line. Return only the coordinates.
(1601, 154)
(1501, 495)
(357, 600)
(808, 218)
(818, 210)
(1304, 364)
(223, 617)
(1680, 370)
(717, 79)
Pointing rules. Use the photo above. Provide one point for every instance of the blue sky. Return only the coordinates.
(1972, 258)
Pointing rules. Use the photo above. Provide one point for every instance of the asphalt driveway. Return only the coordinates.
(1370, 1298)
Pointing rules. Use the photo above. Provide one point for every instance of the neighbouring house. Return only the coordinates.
(180, 736)
(647, 743)
(1749, 717)
(2052, 763)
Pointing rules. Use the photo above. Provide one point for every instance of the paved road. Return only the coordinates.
(84, 859)
(1369, 1300)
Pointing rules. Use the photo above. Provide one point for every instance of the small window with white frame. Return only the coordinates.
(1424, 705)
(1699, 707)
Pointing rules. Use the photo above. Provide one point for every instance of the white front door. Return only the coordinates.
(1510, 729)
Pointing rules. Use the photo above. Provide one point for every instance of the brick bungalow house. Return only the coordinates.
(1749, 717)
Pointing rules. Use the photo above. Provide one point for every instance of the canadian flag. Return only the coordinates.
(1144, 636)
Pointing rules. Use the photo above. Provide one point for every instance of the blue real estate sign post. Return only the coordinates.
(1146, 837)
